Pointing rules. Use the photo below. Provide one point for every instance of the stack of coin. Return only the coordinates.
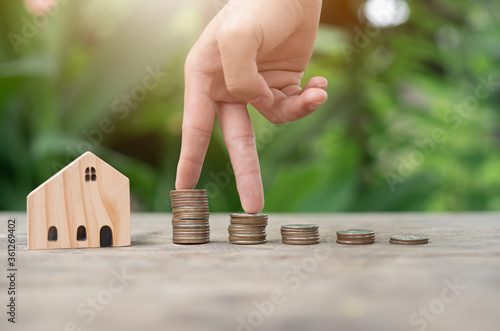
(300, 234)
(409, 239)
(247, 229)
(190, 216)
(356, 237)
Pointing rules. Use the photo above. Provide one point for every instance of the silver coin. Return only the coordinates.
(355, 232)
(300, 238)
(409, 237)
(409, 242)
(294, 242)
(355, 242)
(248, 216)
(247, 242)
(300, 226)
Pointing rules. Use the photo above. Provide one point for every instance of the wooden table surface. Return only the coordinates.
(452, 283)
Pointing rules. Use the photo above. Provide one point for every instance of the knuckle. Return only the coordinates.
(195, 131)
(276, 119)
(245, 147)
(230, 32)
(192, 62)
(237, 86)
(242, 141)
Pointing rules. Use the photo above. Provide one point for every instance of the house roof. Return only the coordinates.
(81, 158)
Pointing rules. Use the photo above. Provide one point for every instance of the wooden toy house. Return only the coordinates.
(86, 204)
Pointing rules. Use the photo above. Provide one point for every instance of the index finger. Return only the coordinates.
(197, 125)
(239, 138)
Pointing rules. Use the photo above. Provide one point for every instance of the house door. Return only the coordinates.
(106, 236)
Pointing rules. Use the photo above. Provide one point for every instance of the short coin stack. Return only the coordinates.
(190, 214)
(409, 239)
(247, 229)
(355, 237)
(300, 234)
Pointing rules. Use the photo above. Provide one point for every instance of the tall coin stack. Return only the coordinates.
(190, 214)
(356, 237)
(300, 234)
(247, 229)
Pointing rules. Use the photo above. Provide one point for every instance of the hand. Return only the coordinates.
(251, 52)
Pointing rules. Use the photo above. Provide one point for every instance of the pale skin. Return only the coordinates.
(253, 52)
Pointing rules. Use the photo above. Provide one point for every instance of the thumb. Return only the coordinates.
(238, 48)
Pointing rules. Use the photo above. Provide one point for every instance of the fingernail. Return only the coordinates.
(323, 85)
(256, 100)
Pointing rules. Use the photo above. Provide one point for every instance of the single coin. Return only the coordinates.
(182, 241)
(190, 205)
(191, 226)
(248, 234)
(199, 238)
(193, 238)
(243, 242)
(356, 242)
(300, 226)
(257, 230)
(236, 237)
(240, 233)
(258, 239)
(195, 233)
(355, 232)
(371, 237)
(190, 216)
(299, 231)
(300, 238)
(409, 237)
(190, 233)
(248, 226)
(300, 242)
(408, 242)
(188, 200)
(286, 242)
(249, 223)
(300, 234)
(190, 221)
(355, 235)
(248, 216)
(191, 211)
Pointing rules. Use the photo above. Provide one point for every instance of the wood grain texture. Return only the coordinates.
(208, 287)
(67, 201)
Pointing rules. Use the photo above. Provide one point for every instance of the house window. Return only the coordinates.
(90, 174)
(52, 234)
(93, 177)
(81, 233)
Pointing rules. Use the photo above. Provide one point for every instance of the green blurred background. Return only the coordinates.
(411, 123)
